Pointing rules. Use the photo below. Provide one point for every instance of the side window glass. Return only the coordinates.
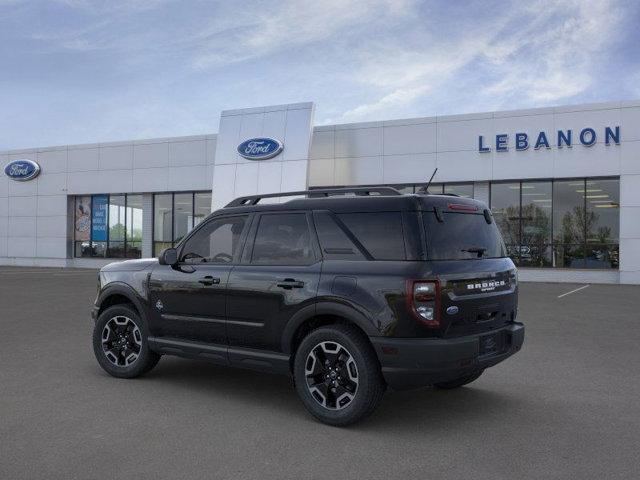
(283, 239)
(380, 233)
(334, 242)
(217, 242)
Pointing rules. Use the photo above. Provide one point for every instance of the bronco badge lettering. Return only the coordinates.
(486, 286)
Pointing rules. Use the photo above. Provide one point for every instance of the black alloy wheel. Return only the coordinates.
(331, 375)
(337, 375)
(121, 341)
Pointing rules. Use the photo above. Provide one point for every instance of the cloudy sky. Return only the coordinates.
(80, 71)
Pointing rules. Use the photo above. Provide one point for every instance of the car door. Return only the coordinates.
(189, 299)
(277, 277)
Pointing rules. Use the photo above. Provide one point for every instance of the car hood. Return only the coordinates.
(130, 265)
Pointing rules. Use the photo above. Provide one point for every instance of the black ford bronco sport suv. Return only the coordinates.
(347, 290)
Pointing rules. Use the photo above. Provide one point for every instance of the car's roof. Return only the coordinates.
(363, 203)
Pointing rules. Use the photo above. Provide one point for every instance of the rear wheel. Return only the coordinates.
(120, 343)
(459, 382)
(337, 375)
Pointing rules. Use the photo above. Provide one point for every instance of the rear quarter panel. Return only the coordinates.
(375, 289)
(378, 291)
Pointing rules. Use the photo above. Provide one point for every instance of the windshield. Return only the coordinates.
(462, 236)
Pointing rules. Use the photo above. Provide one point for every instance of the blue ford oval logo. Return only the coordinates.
(22, 170)
(452, 310)
(260, 148)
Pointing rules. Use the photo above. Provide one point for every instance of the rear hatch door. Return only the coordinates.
(478, 283)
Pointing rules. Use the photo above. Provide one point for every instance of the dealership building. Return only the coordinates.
(563, 182)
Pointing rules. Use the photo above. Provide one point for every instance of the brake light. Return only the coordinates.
(423, 298)
(461, 207)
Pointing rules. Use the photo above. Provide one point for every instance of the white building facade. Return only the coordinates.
(563, 182)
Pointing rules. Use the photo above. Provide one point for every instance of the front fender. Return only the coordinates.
(125, 290)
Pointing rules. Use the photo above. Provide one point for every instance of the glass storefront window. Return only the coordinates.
(603, 223)
(535, 243)
(603, 211)
(108, 226)
(568, 212)
(175, 215)
(505, 205)
(569, 223)
(434, 188)
(162, 222)
(404, 188)
(134, 226)
(564, 223)
(182, 215)
(117, 220)
(201, 207)
(461, 189)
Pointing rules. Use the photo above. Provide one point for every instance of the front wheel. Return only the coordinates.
(120, 343)
(337, 375)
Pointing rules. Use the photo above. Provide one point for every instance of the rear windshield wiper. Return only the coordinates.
(479, 250)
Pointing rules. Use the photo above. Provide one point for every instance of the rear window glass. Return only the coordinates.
(334, 242)
(462, 236)
(283, 239)
(380, 233)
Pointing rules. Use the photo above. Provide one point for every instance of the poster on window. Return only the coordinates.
(99, 218)
(83, 219)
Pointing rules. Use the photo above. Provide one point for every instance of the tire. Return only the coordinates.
(459, 382)
(352, 365)
(120, 325)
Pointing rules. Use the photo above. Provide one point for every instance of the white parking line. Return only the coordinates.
(573, 291)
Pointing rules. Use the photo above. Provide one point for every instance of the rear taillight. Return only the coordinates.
(423, 297)
(462, 207)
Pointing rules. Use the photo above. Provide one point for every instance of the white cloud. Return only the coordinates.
(397, 98)
(287, 25)
(406, 76)
(166, 67)
(543, 52)
(554, 63)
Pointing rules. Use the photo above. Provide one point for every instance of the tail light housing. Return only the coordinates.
(423, 301)
(462, 207)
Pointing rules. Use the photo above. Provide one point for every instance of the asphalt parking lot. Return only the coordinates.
(567, 406)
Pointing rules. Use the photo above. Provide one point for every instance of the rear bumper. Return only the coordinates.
(417, 362)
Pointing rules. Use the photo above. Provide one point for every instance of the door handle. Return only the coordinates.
(289, 283)
(209, 280)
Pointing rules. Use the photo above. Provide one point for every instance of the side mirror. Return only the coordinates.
(169, 256)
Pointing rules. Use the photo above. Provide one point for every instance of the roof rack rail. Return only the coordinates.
(320, 192)
(444, 194)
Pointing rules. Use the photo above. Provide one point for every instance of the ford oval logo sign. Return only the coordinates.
(22, 170)
(260, 148)
(452, 310)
